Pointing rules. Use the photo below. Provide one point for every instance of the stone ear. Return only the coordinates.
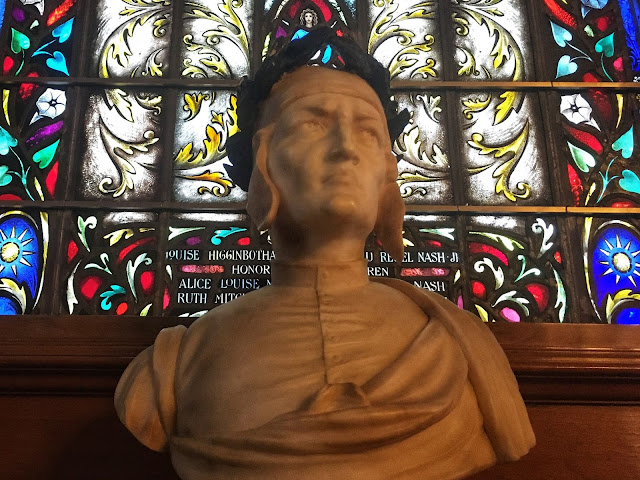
(263, 197)
(388, 228)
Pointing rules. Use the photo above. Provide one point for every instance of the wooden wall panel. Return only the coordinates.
(57, 376)
(80, 438)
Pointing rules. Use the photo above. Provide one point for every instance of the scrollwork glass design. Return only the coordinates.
(403, 37)
(206, 119)
(123, 150)
(505, 163)
(424, 174)
(110, 264)
(516, 269)
(132, 38)
(122, 127)
(217, 38)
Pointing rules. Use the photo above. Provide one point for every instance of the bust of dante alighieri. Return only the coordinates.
(326, 374)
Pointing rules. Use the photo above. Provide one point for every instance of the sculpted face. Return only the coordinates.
(329, 154)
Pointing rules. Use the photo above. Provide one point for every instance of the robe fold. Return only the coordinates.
(327, 375)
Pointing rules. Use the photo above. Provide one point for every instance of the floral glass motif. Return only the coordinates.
(38, 43)
(111, 264)
(599, 145)
(612, 269)
(217, 38)
(403, 37)
(24, 245)
(424, 174)
(599, 141)
(589, 38)
(38, 37)
(516, 269)
(206, 119)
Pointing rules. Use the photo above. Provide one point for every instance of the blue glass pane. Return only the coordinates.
(616, 262)
(630, 11)
(630, 316)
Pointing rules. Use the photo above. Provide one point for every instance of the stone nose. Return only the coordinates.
(344, 145)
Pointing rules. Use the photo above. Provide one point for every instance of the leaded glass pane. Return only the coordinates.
(110, 263)
(505, 161)
(24, 251)
(34, 120)
(630, 14)
(212, 259)
(599, 147)
(132, 38)
(205, 120)
(217, 37)
(404, 37)
(123, 147)
(516, 269)
(588, 41)
(293, 19)
(492, 41)
(612, 268)
(38, 37)
(424, 175)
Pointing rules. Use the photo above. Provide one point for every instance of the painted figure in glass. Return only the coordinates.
(325, 374)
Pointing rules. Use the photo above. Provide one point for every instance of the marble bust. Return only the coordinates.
(326, 374)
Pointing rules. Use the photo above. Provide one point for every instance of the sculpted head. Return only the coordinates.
(323, 160)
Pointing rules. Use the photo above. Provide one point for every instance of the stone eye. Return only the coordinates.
(313, 125)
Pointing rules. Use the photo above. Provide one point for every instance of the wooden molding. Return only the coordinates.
(85, 355)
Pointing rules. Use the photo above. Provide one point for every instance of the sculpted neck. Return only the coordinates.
(317, 247)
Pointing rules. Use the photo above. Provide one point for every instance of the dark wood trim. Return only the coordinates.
(85, 355)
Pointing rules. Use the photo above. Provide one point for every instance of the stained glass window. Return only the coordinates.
(518, 168)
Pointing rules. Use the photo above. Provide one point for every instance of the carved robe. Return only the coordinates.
(326, 375)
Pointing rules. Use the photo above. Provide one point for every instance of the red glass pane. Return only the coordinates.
(475, 247)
